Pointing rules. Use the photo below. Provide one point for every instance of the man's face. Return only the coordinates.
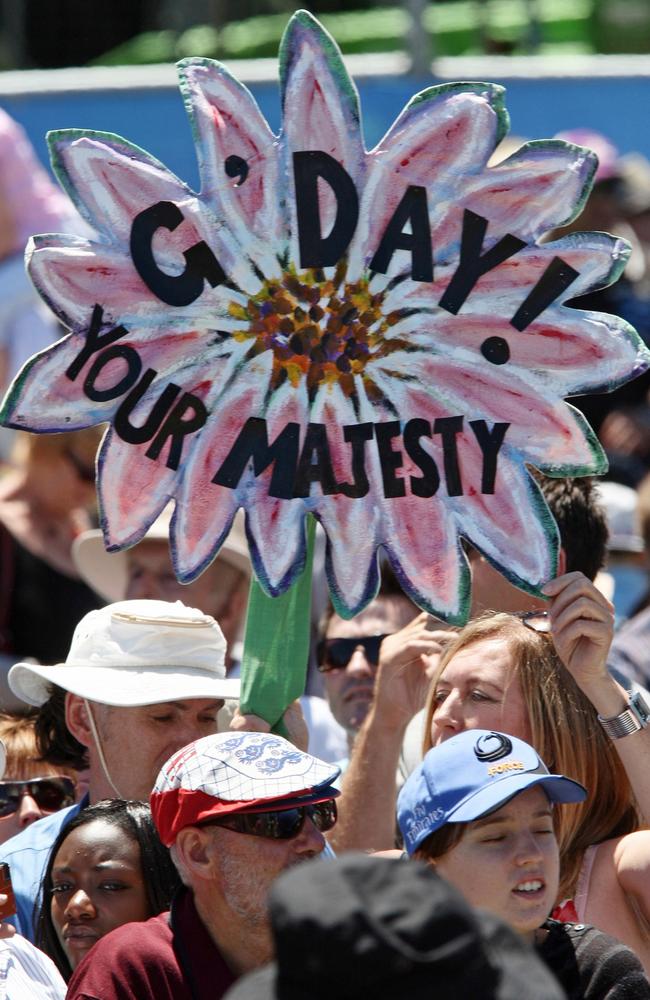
(247, 867)
(151, 577)
(137, 741)
(349, 690)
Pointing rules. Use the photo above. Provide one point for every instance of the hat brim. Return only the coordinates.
(121, 687)
(491, 797)
(107, 572)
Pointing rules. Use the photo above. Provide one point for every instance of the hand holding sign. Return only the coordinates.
(378, 338)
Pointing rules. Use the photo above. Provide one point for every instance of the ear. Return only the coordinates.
(76, 719)
(561, 562)
(195, 852)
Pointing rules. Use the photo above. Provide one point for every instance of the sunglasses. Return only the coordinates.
(537, 621)
(335, 654)
(49, 794)
(281, 824)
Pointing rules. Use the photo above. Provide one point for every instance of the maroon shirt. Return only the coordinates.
(170, 957)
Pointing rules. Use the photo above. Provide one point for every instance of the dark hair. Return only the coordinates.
(161, 880)
(55, 742)
(581, 520)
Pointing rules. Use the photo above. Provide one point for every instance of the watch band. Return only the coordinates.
(630, 720)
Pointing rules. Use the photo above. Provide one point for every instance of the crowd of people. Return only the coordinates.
(473, 803)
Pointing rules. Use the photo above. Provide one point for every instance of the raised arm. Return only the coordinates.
(582, 625)
(367, 804)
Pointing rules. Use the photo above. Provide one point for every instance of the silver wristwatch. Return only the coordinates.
(635, 717)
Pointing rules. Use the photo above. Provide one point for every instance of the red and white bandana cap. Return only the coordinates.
(234, 773)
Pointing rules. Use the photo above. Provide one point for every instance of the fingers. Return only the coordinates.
(249, 723)
(574, 589)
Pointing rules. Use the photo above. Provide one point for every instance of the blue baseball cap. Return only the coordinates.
(470, 775)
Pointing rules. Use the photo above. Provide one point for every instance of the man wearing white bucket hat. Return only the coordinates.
(141, 679)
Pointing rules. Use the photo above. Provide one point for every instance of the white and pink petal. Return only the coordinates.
(238, 156)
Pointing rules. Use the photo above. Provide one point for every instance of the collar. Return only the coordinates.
(198, 956)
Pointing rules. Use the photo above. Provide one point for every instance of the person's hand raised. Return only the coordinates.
(582, 626)
(407, 660)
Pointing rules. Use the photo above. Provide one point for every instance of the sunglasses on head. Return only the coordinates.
(537, 621)
(49, 794)
(335, 654)
(281, 824)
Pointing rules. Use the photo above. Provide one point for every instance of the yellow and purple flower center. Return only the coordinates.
(324, 330)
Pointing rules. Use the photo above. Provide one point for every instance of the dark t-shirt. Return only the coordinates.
(170, 957)
(591, 965)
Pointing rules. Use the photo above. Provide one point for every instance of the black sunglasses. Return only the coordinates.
(537, 621)
(49, 794)
(334, 654)
(281, 824)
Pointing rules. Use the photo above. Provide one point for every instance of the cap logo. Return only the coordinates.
(264, 755)
(507, 765)
(492, 746)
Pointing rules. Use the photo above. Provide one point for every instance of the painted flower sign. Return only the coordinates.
(378, 338)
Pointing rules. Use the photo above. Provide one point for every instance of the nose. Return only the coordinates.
(446, 720)
(80, 906)
(309, 840)
(528, 852)
(28, 811)
(359, 665)
(141, 586)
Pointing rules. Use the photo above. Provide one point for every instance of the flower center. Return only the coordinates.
(324, 330)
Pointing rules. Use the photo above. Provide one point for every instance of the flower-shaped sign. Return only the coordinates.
(378, 338)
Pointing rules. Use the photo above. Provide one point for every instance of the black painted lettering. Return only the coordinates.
(122, 420)
(412, 208)
(427, 484)
(490, 442)
(95, 341)
(556, 279)
(130, 377)
(389, 459)
(201, 264)
(188, 415)
(357, 435)
(317, 250)
(448, 428)
(253, 444)
(472, 264)
(315, 463)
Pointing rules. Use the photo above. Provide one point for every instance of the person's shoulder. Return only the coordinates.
(604, 966)
(39, 836)
(138, 957)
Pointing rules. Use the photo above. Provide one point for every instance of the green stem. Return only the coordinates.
(276, 645)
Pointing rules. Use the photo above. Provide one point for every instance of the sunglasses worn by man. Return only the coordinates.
(49, 794)
(335, 654)
(280, 824)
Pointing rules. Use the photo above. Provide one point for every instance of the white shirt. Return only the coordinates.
(26, 973)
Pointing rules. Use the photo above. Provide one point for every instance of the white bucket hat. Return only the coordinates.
(135, 653)
(107, 572)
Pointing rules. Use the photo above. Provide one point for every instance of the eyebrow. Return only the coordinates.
(100, 866)
(540, 814)
(184, 707)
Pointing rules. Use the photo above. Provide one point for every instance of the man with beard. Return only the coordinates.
(389, 630)
(235, 810)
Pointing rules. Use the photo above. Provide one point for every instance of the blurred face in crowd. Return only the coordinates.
(508, 862)
(349, 689)
(97, 885)
(479, 689)
(136, 742)
(24, 801)
(219, 591)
